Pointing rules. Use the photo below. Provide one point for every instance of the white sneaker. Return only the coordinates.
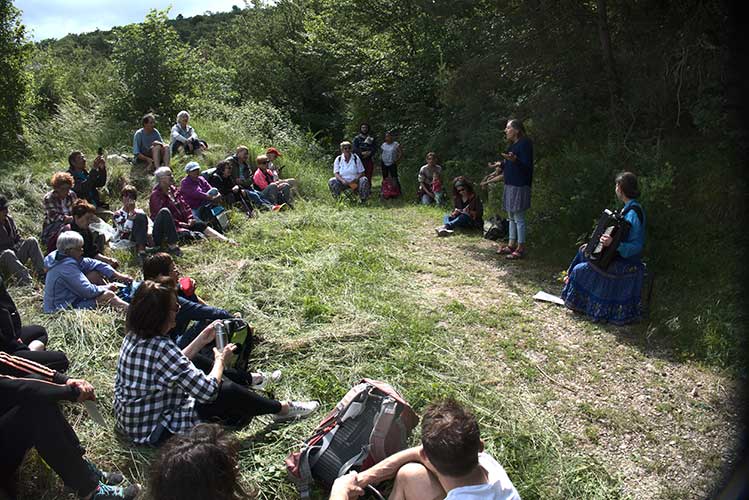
(297, 410)
(264, 378)
(443, 231)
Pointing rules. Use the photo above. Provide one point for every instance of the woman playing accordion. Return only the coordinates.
(612, 294)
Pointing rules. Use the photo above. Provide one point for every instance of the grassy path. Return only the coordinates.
(571, 409)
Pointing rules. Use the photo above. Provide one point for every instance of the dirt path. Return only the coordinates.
(665, 428)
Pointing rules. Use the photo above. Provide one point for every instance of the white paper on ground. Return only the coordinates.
(547, 297)
(93, 412)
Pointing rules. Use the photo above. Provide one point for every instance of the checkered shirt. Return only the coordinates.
(157, 385)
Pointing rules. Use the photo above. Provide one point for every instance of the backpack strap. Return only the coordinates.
(383, 422)
(357, 459)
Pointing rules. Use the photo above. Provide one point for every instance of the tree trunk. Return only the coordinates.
(612, 78)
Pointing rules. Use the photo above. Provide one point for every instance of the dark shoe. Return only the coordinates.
(108, 478)
(175, 250)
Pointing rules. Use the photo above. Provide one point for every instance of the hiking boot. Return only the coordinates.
(297, 410)
(106, 492)
(263, 379)
(108, 478)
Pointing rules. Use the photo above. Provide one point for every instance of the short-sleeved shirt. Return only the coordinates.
(389, 152)
(426, 174)
(498, 486)
(350, 169)
(142, 141)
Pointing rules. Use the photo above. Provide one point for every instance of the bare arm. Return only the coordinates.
(388, 468)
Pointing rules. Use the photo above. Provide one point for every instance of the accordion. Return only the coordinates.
(610, 223)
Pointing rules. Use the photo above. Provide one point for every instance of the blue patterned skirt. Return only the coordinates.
(613, 295)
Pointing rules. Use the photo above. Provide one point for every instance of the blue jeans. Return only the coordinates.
(517, 226)
(427, 200)
(256, 199)
(461, 220)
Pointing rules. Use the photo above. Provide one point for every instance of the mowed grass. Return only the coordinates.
(334, 293)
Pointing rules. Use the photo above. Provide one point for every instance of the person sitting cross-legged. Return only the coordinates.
(15, 251)
(468, 212)
(160, 392)
(348, 172)
(450, 463)
(30, 417)
(77, 281)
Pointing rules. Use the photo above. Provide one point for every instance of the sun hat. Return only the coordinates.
(193, 165)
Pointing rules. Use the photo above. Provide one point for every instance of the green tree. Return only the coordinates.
(14, 78)
(153, 66)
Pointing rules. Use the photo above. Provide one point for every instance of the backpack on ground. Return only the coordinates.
(496, 228)
(239, 332)
(215, 216)
(370, 423)
(390, 188)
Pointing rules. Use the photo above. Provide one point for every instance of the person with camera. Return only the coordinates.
(76, 281)
(159, 392)
(87, 183)
(16, 252)
(30, 417)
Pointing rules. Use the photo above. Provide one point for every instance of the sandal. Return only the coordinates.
(505, 250)
(516, 255)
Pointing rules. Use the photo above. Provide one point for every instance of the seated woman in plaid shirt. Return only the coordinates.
(160, 392)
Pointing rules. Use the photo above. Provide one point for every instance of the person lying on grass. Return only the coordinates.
(450, 463)
(76, 281)
(166, 195)
(160, 392)
(30, 417)
(133, 229)
(468, 212)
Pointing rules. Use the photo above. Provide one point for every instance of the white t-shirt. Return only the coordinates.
(499, 486)
(389, 152)
(350, 169)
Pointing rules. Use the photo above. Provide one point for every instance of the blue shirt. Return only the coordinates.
(632, 246)
(142, 141)
(520, 171)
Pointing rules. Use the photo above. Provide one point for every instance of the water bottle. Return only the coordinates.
(221, 337)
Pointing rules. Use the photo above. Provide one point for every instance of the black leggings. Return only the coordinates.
(55, 360)
(41, 425)
(236, 404)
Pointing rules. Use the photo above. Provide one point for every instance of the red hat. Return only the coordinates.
(273, 150)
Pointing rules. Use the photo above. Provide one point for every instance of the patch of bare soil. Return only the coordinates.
(665, 428)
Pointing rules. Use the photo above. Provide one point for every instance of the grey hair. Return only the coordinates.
(162, 172)
(68, 240)
(183, 114)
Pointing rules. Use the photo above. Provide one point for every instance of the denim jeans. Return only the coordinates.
(517, 226)
(428, 200)
(461, 220)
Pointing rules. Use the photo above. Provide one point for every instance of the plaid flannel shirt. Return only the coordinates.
(55, 210)
(156, 385)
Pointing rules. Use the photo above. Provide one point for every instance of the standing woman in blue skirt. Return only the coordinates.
(517, 167)
(613, 295)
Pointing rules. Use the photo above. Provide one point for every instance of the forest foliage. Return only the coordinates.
(602, 87)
